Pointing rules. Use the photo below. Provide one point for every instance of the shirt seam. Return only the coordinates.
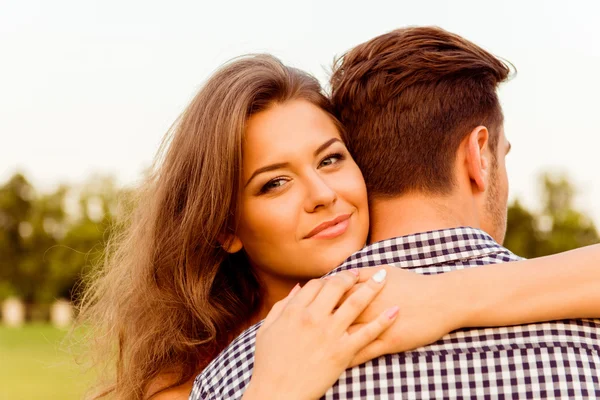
(497, 348)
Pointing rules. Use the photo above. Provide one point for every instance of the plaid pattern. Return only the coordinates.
(547, 360)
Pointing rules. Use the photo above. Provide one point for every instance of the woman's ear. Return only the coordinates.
(230, 243)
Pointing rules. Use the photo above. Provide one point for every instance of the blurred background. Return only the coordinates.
(88, 89)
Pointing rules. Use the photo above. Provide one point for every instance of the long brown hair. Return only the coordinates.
(168, 298)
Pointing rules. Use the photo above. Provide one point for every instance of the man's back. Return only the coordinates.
(557, 359)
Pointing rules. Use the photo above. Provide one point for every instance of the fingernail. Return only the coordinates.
(354, 271)
(392, 312)
(379, 276)
(294, 290)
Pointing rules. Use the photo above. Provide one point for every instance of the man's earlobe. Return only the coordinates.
(477, 156)
(230, 243)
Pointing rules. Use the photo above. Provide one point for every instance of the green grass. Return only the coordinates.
(36, 364)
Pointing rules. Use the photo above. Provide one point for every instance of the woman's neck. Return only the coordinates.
(275, 288)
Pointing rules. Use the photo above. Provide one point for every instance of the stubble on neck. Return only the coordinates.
(414, 213)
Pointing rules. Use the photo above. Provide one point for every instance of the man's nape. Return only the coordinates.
(476, 199)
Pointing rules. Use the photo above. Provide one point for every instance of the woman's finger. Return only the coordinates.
(278, 307)
(356, 303)
(307, 294)
(373, 350)
(334, 288)
(368, 272)
(371, 331)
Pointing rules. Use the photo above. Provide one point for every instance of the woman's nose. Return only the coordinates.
(319, 194)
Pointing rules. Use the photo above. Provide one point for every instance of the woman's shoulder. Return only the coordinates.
(181, 392)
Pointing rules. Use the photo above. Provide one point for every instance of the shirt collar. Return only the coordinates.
(428, 248)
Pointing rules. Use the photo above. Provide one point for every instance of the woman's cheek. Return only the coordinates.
(353, 185)
(271, 217)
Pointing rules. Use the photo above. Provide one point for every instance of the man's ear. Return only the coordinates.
(478, 154)
(230, 243)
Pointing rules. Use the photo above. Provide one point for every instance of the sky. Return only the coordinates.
(90, 87)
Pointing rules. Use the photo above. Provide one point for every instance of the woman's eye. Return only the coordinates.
(331, 159)
(273, 184)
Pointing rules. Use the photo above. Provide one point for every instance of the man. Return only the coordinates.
(426, 128)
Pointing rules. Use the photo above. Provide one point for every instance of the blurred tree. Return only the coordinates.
(81, 246)
(47, 222)
(559, 227)
(522, 235)
(47, 241)
(569, 228)
(15, 209)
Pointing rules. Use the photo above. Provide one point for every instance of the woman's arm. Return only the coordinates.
(303, 345)
(561, 286)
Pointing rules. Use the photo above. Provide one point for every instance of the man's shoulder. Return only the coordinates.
(533, 361)
(229, 373)
(500, 351)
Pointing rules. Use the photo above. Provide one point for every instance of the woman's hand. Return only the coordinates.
(428, 311)
(304, 345)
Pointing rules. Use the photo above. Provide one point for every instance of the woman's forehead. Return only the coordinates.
(292, 126)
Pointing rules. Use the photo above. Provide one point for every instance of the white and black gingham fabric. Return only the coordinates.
(537, 361)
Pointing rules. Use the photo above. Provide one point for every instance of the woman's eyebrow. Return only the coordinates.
(267, 168)
(326, 145)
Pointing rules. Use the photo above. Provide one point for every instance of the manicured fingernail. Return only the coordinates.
(392, 313)
(379, 276)
(294, 290)
(354, 271)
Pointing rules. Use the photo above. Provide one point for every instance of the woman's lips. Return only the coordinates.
(331, 229)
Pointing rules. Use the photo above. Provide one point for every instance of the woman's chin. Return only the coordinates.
(335, 260)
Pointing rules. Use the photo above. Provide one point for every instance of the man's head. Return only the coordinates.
(423, 117)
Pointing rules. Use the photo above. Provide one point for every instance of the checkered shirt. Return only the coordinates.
(547, 360)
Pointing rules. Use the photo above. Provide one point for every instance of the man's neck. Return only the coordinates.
(414, 213)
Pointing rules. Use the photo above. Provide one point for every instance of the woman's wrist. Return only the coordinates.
(461, 299)
(549, 288)
(256, 392)
(267, 391)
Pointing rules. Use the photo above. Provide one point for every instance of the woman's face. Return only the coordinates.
(303, 204)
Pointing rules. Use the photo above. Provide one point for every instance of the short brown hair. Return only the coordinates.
(407, 99)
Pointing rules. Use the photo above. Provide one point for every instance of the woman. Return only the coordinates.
(176, 287)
